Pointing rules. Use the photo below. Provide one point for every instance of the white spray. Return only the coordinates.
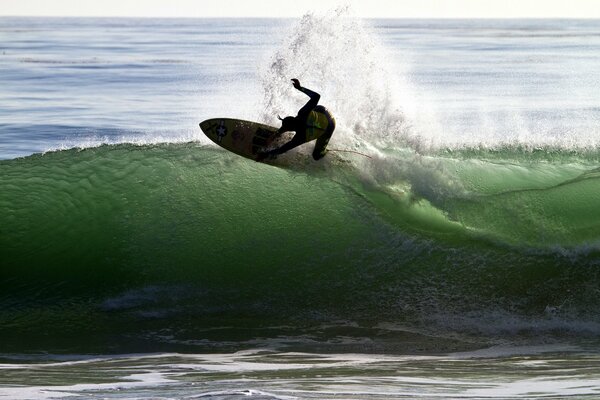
(337, 56)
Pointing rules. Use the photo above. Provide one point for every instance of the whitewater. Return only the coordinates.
(459, 259)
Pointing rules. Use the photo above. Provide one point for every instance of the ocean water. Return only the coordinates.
(447, 247)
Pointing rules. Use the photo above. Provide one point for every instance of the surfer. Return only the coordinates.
(313, 122)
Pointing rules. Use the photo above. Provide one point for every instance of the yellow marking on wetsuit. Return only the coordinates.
(316, 125)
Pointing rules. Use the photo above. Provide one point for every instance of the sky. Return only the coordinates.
(296, 8)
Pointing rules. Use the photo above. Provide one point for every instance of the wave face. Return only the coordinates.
(127, 247)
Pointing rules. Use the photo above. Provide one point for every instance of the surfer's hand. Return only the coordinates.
(296, 83)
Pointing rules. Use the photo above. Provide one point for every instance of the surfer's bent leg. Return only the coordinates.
(321, 144)
(296, 141)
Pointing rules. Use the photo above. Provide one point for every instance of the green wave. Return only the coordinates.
(176, 240)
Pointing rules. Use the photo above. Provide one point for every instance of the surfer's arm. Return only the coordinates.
(312, 103)
(314, 98)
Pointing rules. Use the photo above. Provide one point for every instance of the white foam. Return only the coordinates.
(148, 379)
(91, 141)
(562, 370)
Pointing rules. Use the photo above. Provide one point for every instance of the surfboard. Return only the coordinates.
(245, 138)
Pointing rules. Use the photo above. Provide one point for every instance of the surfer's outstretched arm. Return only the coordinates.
(314, 98)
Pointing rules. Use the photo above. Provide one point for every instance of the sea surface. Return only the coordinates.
(448, 246)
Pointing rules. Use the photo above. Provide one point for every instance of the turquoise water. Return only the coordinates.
(460, 259)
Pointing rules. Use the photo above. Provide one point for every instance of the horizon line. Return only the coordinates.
(297, 17)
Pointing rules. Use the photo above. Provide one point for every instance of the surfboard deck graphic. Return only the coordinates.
(245, 138)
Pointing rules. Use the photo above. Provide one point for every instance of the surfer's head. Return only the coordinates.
(287, 124)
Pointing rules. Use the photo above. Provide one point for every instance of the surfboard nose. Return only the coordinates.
(204, 124)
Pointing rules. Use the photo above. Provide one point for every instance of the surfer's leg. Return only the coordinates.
(296, 141)
(321, 144)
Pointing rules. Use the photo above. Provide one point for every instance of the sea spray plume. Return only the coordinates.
(337, 56)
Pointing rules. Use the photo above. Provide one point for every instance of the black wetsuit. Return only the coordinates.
(317, 123)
